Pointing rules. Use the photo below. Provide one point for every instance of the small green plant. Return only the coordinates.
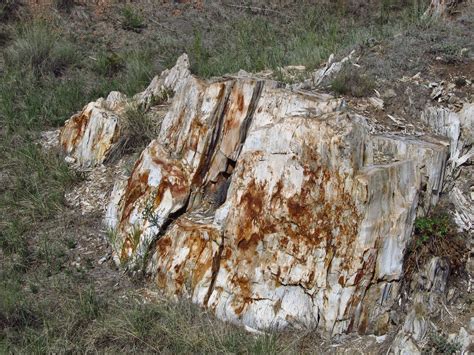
(90, 305)
(149, 214)
(427, 228)
(108, 64)
(445, 48)
(132, 20)
(199, 53)
(164, 96)
(135, 235)
(349, 81)
(52, 254)
(449, 52)
(70, 243)
(434, 235)
(442, 345)
(111, 236)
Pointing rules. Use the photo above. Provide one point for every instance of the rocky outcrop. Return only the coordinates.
(268, 206)
(428, 297)
(458, 128)
(89, 136)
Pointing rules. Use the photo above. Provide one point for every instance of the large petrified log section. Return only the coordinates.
(268, 206)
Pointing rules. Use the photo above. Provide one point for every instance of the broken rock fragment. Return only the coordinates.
(89, 136)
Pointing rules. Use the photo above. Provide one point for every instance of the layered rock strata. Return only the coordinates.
(270, 207)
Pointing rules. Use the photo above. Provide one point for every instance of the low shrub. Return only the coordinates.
(108, 64)
(435, 235)
(440, 344)
(132, 20)
(140, 127)
(38, 48)
(349, 81)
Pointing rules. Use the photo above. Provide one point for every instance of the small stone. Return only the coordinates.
(404, 345)
(451, 294)
(69, 160)
(436, 93)
(416, 325)
(464, 52)
(465, 339)
(295, 67)
(243, 74)
(395, 317)
(388, 94)
(103, 259)
(452, 337)
(376, 102)
(453, 100)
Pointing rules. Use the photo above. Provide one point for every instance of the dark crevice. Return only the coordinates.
(171, 218)
(216, 190)
(231, 165)
(222, 190)
(219, 115)
(163, 230)
(220, 187)
(250, 113)
(216, 265)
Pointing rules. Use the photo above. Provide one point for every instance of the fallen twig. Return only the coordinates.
(446, 308)
(255, 8)
(161, 25)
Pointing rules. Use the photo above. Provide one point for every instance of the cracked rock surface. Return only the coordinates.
(269, 206)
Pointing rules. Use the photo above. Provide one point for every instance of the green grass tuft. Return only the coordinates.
(138, 71)
(38, 48)
(132, 20)
(108, 64)
(349, 81)
(140, 127)
(36, 182)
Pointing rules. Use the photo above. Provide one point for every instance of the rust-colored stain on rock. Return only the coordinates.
(266, 212)
(74, 130)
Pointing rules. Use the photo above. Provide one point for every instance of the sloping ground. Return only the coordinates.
(272, 207)
(110, 317)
